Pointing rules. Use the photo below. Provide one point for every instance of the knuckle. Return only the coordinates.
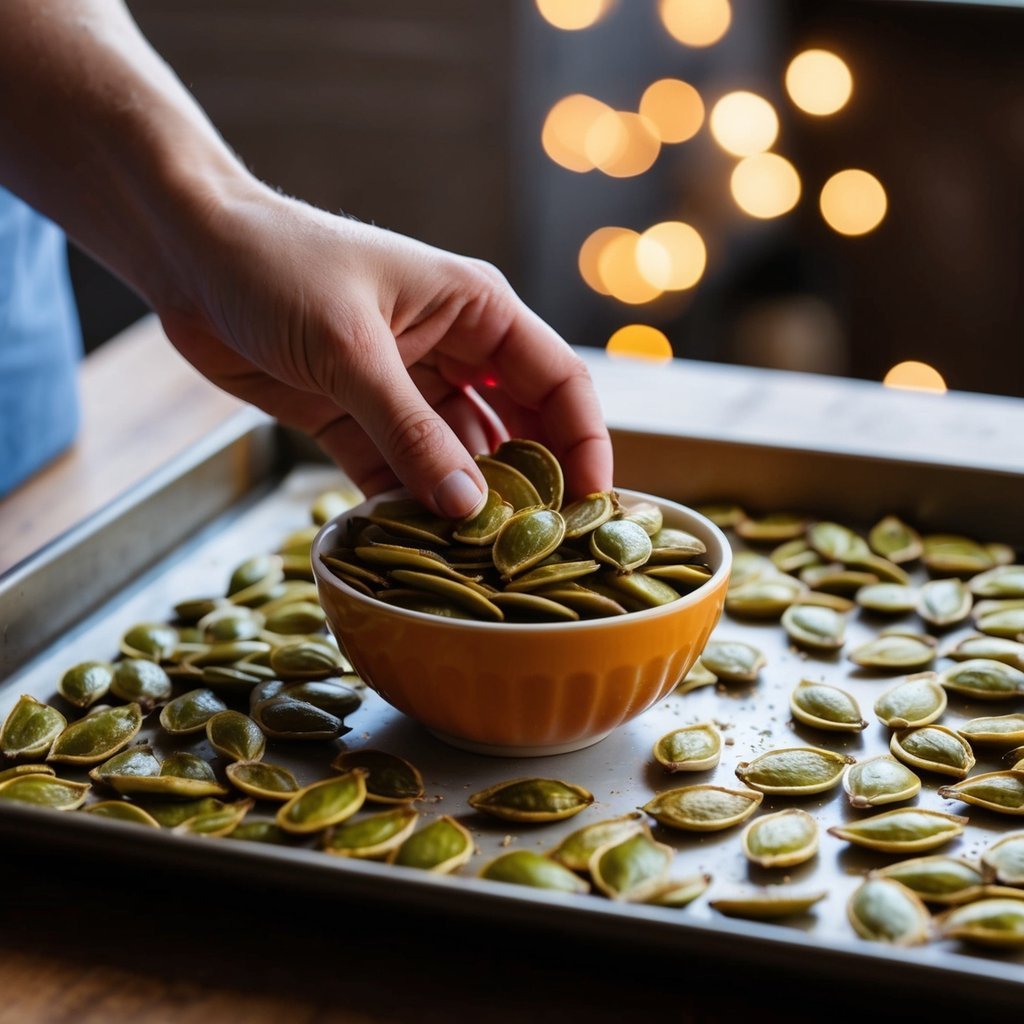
(417, 437)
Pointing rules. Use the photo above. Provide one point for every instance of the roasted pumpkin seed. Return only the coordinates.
(284, 717)
(262, 780)
(781, 840)
(677, 892)
(575, 851)
(825, 707)
(220, 822)
(984, 679)
(531, 800)
(997, 923)
(892, 538)
(305, 660)
(86, 683)
(1005, 730)
(441, 847)
(372, 837)
(879, 780)
(733, 661)
(1004, 859)
(390, 779)
(993, 648)
(944, 602)
(190, 712)
(836, 543)
(235, 736)
(135, 761)
(887, 598)
(538, 465)
(1002, 792)
(1005, 622)
(953, 555)
(883, 910)
(482, 528)
(703, 808)
(526, 867)
(122, 810)
(621, 544)
(45, 791)
(794, 771)
(29, 730)
(947, 881)
(918, 700)
(1004, 581)
(153, 640)
(894, 653)
(768, 905)
(765, 598)
(692, 748)
(697, 677)
(513, 485)
(324, 803)
(18, 770)
(933, 748)
(772, 528)
(99, 735)
(903, 830)
(630, 868)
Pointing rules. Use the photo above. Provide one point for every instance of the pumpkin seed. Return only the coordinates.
(821, 599)
(1004, 859)
(1006, 730)
(482, 528)
(998, 923)
(692, 748)
(825, 707)
(953, 555)
(324, 803)
(169, 814)
(703, 808)
(459, 593)
(29, 730)
(253, 580)
(190, 712)
(538, 465)
(697, 677)
(903, 830)
(772, 528)
(421, 601)
(646, 515)
(670, 545)
(135, 761)
(533, 608)
(892, 538)
(984, 679)
(441, 847)
(373, 837)
(575, 850)
(284, 717)
(165, 786)
(879, 780)
(993, 648)
(894, 652)
(944, 602)
(121, 810)
(193, 609)
(184, 765)
(86, 683)
(18, 770)
(724, 515)
(228, 677)
(228, 624)
(821, 629)
(510, 483)
(1002, 792)
(587, 514)
(834, 578)
(794, 771)
(887, 598)
(220, 822)
(881, 568)
(297, 618)
(144, 682)
(99, 735)
(630, 868)
(748, 566)
(531, 800)
(781, 840)
(408, 518)
(937, 879)
(794, 555)
(836, 543)
(332, 503)
(390, 779)
(45, 791)
(298, 542)
(883, 910)
(621, 544)
(525, 867)
(1006, 622)
(546, 575)
(1004, 581)
(262, 780)
(933, 748)
(259, 831)
(765, 598)
(677, 892)
(733, 661)
(153, 640)
(644, 591)
(768, 905)
(305, 660)
(227, 653)
(919, 700)
(689, 576)
(235, 736)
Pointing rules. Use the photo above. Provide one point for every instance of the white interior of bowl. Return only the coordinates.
(719, 557)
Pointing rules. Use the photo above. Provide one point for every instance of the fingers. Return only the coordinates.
(498, 336)
(419, 446)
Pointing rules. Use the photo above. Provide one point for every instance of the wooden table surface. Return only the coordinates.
(82, 942)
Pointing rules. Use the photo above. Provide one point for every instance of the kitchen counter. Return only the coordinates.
(88, 942)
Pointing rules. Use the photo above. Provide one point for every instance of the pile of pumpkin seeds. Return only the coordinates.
(239, 674)
(526, 556)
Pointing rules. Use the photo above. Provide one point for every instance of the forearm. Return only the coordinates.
(99, 134)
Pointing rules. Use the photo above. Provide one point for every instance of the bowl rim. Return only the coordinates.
(324, 575)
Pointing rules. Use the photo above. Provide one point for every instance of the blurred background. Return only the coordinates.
(823, 187)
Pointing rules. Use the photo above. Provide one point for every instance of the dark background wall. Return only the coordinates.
(426, 118)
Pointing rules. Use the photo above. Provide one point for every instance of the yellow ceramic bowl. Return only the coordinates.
(524, 689)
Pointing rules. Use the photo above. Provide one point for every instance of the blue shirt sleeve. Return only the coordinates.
(40, 343)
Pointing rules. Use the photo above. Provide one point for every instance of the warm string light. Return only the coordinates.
(819, 82)
(912, 375)
(853, 202)
(696, 23)
(765, 186)
(673, 108)
(573, 15)
(640, 341)
(744, 124)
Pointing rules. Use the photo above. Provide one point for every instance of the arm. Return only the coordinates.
(370, 341)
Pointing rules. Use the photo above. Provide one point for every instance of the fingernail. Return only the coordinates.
(458, 495)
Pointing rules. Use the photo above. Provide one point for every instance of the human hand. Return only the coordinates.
(380, 347)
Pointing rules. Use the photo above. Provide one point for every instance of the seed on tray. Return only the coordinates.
(767, 905)
(1004, 859)
(189, 712)
(1002, 792)
(45, 791)
(441, 847)
(153, 640)
(998, 730)
(894, 653)
(101, 734)
(122, 810)
(953, 555)
(576, 849)
(142, 681)
(677, 892)
(794, 771)
(1004, 581)
(372, 837)
(262, 780)
(764, 598)
(324, 803)
(933, 748)
(814, 626)
(772, 528)
(879, 780)
(29, 730)
(825, 707)
(86, 683)
(628, 869)
(236, 736)
(733, 661)
(998, 923)
(994, 648)
(903, 830)
(984, 679)
(944, 602)
(526, 867)
(918, 700)
(937, 878)
(220, 822)
(883, 910)
(703, 808)
(692, 748)
(892, 538)
(887, 598)
(781, 840)
(390, 779)
(531, 800)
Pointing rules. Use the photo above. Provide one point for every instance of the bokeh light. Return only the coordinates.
(640, 341)
(766, 185)
(696, 22)
(572, 15)
(590, 255)
(619, 272)
(566, 128)
(674, 109)
(671, 256)
(744, 123)
(819, 82)
(915, 376)
(622, 144)
(853, 202)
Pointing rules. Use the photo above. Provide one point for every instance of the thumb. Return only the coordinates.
(417, 443)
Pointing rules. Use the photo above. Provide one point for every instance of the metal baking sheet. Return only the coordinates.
(182, 533)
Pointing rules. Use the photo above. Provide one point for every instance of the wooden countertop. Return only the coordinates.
(85, 943)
